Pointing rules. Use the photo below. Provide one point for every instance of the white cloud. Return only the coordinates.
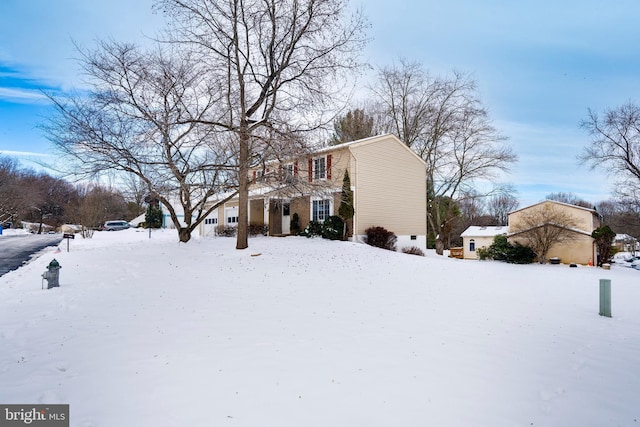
(23, 153)
(22, 95)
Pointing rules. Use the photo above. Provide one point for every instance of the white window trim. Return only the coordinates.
(315, 172)
(231, 213)
(317, 199)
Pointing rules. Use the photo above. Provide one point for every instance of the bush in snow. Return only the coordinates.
(258, 229)
(332, 228)
(502, 250)
(413, 250)
(380, 237)
(314, 229)
(294, 226)
(226, 231)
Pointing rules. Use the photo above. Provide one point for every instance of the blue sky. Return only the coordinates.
(539, 66)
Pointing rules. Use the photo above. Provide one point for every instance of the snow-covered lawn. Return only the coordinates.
(149, 332)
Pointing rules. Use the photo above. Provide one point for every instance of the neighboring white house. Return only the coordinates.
(167, 222)
(476, 237)
(626, 243)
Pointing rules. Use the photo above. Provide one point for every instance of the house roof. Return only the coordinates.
(623, 237)
(575, 230)
(485, 231)
(557, 203)
(358, 143)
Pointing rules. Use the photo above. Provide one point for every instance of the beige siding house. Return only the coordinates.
(476, 237)
(580, 249)
(387, 180)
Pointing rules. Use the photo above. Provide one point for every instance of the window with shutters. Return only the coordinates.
(320, 168)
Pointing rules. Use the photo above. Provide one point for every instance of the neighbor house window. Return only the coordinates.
(210, 221)
(320, 168)
(472, 245)
(321, 210)
(231, 215)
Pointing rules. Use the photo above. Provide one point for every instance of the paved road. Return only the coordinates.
(17, 250)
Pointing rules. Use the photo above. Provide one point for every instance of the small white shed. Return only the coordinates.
(476, 237)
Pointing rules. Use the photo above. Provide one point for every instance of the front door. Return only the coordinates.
(286, 218)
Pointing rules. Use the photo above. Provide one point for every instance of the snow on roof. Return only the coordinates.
(623, 237)
(484, 231)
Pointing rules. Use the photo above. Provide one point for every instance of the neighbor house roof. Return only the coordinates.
(557, 203)
(484, 231)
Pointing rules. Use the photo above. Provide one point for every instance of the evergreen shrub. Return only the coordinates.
(332, 228)
(502, 250)
(314, 229)
(294, 225)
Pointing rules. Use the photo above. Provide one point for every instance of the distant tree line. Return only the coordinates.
(36, 197)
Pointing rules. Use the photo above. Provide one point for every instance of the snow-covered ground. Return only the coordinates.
(308, 332)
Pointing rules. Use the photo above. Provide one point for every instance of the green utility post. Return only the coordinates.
(605, 297)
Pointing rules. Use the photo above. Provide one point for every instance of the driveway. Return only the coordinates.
(18, 249)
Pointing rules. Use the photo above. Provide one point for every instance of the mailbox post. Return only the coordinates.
(68, 236)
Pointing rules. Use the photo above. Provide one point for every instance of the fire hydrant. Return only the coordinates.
(52, 275)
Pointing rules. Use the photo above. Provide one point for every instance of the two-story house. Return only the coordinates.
(387, 180)
(579, 248)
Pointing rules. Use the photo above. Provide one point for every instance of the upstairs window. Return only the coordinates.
(320, 168)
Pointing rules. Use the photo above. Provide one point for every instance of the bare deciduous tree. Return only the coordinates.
(276, 65)
(13, 198)
(444, 122)
(500, 205)
(570, 199)
(140, 117)
(623, 216)
(97, 205)
(615, 146)
(542, 227)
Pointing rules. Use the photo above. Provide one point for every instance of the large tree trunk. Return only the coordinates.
(242, 241)
(184, 234)
(439, 246)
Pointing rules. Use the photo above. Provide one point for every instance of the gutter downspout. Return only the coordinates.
(354, 186)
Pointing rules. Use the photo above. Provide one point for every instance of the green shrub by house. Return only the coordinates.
(294, 225)
(502, 250)
(331, 228)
